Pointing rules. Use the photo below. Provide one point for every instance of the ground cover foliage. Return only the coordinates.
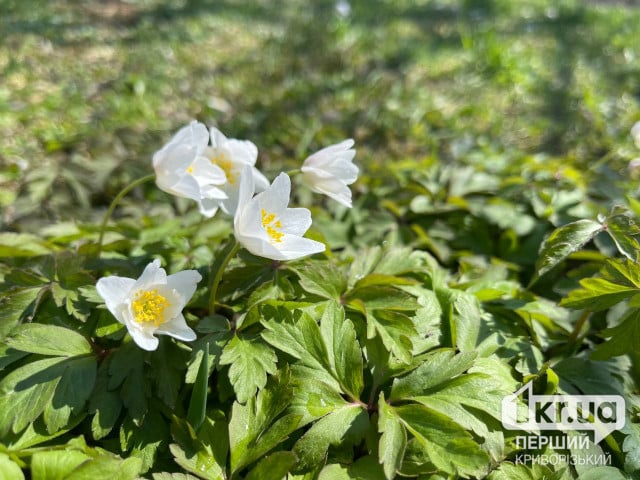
(492, 241)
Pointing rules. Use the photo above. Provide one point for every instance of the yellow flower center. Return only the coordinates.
(272, 226)
(190, 169)
(149, 307)
(226, 165)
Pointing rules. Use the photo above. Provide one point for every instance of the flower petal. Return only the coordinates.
(153, 274)
(296, 221)
(276, 198)
(242, 151)
(143, 338)
(327, 154)
(115, 291)
(178, 328)
(185, 284)
(293, 247)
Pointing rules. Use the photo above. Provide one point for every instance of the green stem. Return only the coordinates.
(114, 204)
(295, 171)
(218, 276)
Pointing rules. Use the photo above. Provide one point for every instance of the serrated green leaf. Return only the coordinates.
(25, 392)
(107, 466)
(56, 465)
(329, 430)
(631, 447)
(15, 305)
(301, 338)
(198, 404)
(105, 404)
(22, 245)
(48, 340)
(623, 229)
(467, 319)
(624, 338)
(173, 476)
(562, 242)
(251, 360)
(597, 294)
(257, 427)
(8, 469)
(449, 446)
(395, 330)
(343, 349)
(436, 368)
(393, 439)
(322, 278)
(72, 392)
(376, 297)
(276, 465)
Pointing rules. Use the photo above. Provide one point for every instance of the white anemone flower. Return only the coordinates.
(183, 169)
(635, 134)
(330, 170)
(152, 304)
(232, 155)
(266, 227)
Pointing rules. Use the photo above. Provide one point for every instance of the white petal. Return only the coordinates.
(242, 151)
(343, 170)
(208, 207)
(276, 198)
(245, 194)
(218, 139)
(185, 186)
(115, 291)
(332, 187)
(144, 339)
(296, 221)
(293, 247)
(184, 283)
(153, 274)
(261, 182)
(328, 153)
(207, 173)
(178, 328)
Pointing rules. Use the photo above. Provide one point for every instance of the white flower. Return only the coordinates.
(152, 304)
(330, 170)
(266, 227)
(232, 156)
(635, 133)
(183, 169)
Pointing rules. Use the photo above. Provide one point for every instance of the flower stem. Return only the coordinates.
(115, 203)
(295, 171)
(218, 275)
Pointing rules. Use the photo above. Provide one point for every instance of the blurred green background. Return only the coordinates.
(90, 89)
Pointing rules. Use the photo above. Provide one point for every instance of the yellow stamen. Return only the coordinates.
(190, 169)
(226, 165)
(272, 226)
(149, 307)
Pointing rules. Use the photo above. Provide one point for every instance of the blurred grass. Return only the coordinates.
(90, 89)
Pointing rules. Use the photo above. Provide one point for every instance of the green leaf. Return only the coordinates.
(48, 340)
(395, 330)
(22, 245)
(624, 338)
(301, 338)
(251, 360)
(14, 305)
(173, 476)
(322, 278)
(9, 470)
(276, 465)
(393, 440)
(56, 465)
(105, 404)
(376, 297)
(343, 349)
(631, 447)
(107, 466)
(72, 392)
(258, 427)
(329, 430)
(467, 317)
(450, 448)
(562, 242)
(144, 441)
(25, 392)
(198, 403)
(622, 229)
(436, 368)
(597, 294)
(126, 369)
